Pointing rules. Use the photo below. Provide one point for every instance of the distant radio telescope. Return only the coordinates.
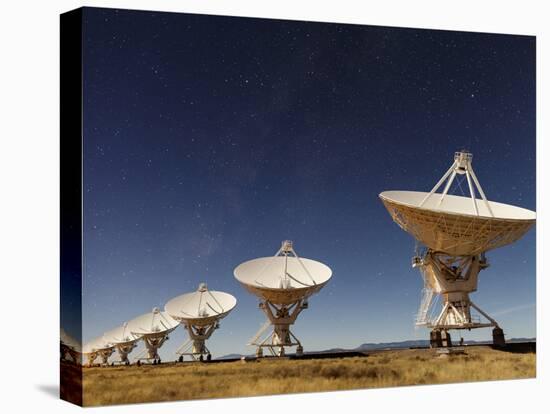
(153, 328)
(70, 348)
(283, 283)
(123, 340)
(98, 347)
(200, 312)
(457, 232)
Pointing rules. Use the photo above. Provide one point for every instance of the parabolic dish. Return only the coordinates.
(452, 227)
(121, 335)
(264, 276)
(201, 307)
(96, 344)
(152, 324)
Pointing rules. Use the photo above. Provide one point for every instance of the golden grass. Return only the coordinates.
(119, 385)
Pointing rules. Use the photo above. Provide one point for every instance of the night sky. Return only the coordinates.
(208, 140)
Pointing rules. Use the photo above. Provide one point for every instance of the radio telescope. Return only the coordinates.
(123, 340)
(457, 231)
(200, 313)
(98, 347)
(153, 328)
(70, 347)
(283, 283)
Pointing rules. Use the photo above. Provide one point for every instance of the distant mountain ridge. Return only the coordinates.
(371, 346)
(425, 343)
(232, 356)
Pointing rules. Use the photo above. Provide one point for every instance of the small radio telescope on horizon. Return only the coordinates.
(283, 283)
(153, 328)
(457, 231)
(200, 312)
(123, 340)
(98, 347)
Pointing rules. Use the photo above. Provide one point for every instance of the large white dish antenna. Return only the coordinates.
(153, 323)
(202, 307)
(153, 328)
(283, 283)
(95, 345)
(452, 227)
(283, 279)
(121, 335)
(98, 347)
(200, 313)
(123, 340)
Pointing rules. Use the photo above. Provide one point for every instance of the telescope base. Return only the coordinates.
(277, 348)
(279, 317)
(440, 339)
(498, 337)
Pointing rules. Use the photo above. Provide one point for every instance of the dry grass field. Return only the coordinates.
(120, 385)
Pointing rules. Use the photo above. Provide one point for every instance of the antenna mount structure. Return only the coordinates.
(454, 278)
(196, 347)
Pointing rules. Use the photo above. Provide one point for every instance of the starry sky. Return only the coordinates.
(208, 140)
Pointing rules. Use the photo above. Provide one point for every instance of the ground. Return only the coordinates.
(70, 382)
(184, 381)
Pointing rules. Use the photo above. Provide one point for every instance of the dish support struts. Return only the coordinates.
(280, 317)
(123, 350)
(195, 346)
(453, 278)
(68, 353)
(152, 345)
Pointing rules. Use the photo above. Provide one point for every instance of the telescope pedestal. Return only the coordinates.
(104, 354)
(498, 337)
(91, 358)
(440, 339)
(123, 350)
(280, 317)
(152, 345)
(195, 347)
(454, 278)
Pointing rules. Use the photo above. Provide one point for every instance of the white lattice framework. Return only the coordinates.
(456, 235)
